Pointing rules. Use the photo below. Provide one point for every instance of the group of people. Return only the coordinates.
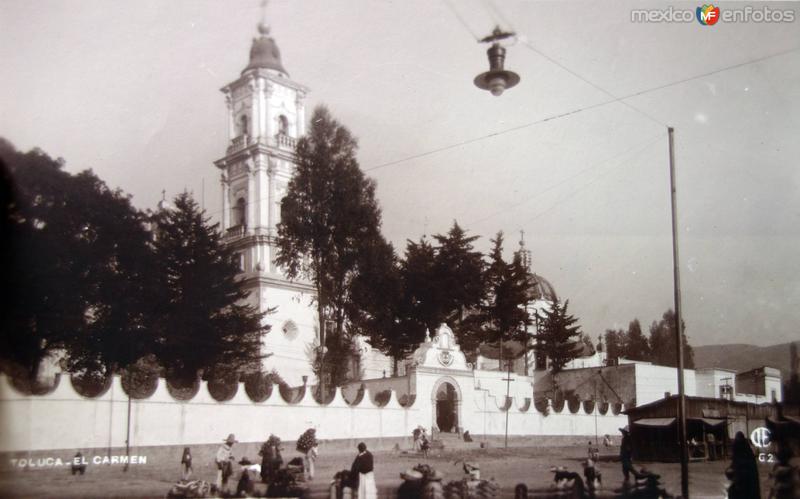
(361, 481)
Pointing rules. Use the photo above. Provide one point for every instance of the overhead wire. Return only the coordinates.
(578, 110)
(583, 187)
(461, 19)
(567, 179)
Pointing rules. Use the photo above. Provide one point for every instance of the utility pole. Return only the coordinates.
(679, 322)
(508, 381)
(595, 412)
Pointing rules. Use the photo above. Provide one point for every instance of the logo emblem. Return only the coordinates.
(708, 15)
(445, 358)
(761, 437)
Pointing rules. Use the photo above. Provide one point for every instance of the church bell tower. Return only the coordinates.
(266, 116)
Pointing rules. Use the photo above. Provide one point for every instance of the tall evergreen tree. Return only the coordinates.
(204, 320)
(559, 336)
(636, 344)
(458, 279)
(502, 315)
(375, 309)
(329, 220)
(662, 343)
(421, 292)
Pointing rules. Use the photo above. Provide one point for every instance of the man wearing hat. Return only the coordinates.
(224, 462)
(626, 453)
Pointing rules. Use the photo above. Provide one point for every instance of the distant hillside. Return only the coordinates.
(740, 357)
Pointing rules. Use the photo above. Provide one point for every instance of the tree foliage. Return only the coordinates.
(77, 266)
(615, 343)
(559, 336)
(662, 342)
(636, 346)
(202, 320)
(330, 226)
(502, 315)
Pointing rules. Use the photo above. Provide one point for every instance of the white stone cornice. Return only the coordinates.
(249, 164)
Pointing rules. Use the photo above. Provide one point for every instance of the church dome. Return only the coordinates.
(541, 289)
(264, 53)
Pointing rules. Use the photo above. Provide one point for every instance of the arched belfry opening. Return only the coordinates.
(447, 404)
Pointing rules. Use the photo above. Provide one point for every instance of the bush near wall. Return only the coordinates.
(223, 388)
(21, 381)
(140, 380)
(90, 384)
(258, 386)
(182, 389)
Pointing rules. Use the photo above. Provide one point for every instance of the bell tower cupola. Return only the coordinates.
(265, 118)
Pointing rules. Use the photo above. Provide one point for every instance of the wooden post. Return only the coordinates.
(678, 322)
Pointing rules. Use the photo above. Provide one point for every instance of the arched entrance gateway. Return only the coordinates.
(447, 405)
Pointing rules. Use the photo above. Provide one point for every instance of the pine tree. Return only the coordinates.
(502, 315)
(203, 321)
(559, 336)
(458, 280)
(636, 344)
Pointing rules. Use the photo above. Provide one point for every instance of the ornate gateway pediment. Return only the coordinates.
(441, 351)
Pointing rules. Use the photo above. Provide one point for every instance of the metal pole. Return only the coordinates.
(595, 412)
(508, 393)
(322, 361)
(127, 433)
(679, 323)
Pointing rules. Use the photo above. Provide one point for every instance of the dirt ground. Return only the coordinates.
(507, 466)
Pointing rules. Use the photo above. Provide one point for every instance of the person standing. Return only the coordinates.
(626, 453)
(362, 478)
(224, 461)
(309, 459)
(743, 471)
(271, 459)
(186, 462)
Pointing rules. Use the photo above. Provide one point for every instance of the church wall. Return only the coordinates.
(401, 385)
(653, 382)
(290, 347)
(520, 387)
(63, 419)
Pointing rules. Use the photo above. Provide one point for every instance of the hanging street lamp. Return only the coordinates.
(497, 79)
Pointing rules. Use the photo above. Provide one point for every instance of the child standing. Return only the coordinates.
(186, 463)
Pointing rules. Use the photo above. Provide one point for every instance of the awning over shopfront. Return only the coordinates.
(654, 422)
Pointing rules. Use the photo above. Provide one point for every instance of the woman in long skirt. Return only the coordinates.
(362, 476)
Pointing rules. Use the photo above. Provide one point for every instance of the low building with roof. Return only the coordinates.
(711, 424)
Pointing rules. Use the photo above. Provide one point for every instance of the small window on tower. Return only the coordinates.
(240, 260)
(244, 128)
(240, 213)
(283, 125)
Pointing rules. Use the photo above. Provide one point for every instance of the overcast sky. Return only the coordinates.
(131, 90)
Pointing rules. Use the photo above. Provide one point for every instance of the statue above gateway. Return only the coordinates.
(440, 352)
